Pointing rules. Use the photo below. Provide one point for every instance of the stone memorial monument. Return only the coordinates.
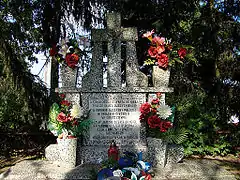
(115, 109)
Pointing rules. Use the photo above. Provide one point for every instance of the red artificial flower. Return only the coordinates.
(158, 94)
(158, 40)
(154, 110)
(154, 121)
(65, 103)
(72, 60)
(53, 50)
(152, 51)
(145, 108)
(155, 101)
(62, 117)
(169, 47)
(167, 124)
(69, 118)
(148, 177)
(160, 49)
(62, 96)
(182, 52)
(75, 123)
(164, 125)
(162, 60)
(163, 129)
(142, 117)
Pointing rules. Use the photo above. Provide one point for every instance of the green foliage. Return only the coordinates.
(13, 107)
(54, 125)
(197, 114)
(172, 136)
(109, 163)
(17, 112)
(83, 127)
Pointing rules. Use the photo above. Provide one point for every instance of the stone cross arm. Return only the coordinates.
(123, 34)
(114, 30)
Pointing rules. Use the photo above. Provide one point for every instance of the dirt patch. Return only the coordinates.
(18, 156)
(231, 163)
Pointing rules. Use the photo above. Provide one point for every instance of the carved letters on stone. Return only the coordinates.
(116, 118)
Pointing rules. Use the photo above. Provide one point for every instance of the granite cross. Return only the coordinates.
(113, 35)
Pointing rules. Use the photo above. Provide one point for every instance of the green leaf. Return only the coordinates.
(178, 60)
(53, 124)
(171, 118)
(54, 111)
(149, 61)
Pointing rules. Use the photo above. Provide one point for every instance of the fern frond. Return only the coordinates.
(176, 136)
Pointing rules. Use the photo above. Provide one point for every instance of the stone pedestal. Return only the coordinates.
(161, 153)
(64, 151)
(157, 151)
(160, 77)
(68, 76)
(175, 153)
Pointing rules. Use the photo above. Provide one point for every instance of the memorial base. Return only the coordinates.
(98, 154)
(157, 151)
(64, 151)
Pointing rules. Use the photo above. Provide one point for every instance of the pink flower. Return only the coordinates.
(158, 40)
(148, 35)
(62, 117)
(69, 118)
(152, 51)
(160, 49)
(163, 130)
(162, 60)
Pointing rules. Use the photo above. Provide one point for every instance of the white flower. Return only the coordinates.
(164, 111)
(76, 111)
(234, 119)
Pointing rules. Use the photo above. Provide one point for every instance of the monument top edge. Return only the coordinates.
(115, 90)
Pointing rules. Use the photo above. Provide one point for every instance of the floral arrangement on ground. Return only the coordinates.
(159, 120)
(67, 120)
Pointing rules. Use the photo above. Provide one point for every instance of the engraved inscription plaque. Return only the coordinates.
(116, 118)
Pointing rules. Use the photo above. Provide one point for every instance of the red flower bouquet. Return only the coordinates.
(156, 115)
(67, 53)
(163, 52)
(66, 119)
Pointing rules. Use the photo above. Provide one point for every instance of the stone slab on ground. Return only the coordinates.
(49, 170)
